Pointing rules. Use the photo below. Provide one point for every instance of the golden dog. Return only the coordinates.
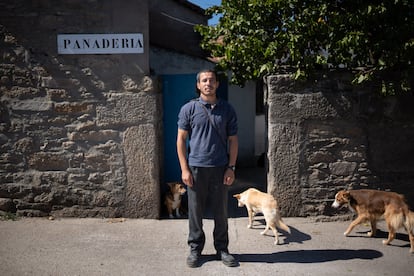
(371, 205)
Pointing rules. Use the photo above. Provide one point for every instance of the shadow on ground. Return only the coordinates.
(310, 256)
(382, 235)
(302, 256)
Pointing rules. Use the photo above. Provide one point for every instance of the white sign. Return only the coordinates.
(78, 44)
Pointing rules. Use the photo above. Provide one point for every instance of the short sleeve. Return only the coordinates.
(184, 118)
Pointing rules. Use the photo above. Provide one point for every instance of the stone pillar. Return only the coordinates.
(142, 191)
(316, 143)
(138, 112)
(284, 138)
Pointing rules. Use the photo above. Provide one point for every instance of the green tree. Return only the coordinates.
(373, 39)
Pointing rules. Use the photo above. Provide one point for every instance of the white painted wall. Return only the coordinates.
(260, 135)
(165, 62)
(244, 102)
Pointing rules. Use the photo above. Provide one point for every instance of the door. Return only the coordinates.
(177, 90)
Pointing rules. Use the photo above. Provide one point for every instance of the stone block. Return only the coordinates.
(47, 161)
(95, 136)
(97, 162)
(319, 156)
(48, 82)
(343, 168)
(7, 205)
(73, 107)
(303, 106)
(53, 178)
(57, 94)
(24, 145)
(128, 109)
(35, 104)
(23, 93)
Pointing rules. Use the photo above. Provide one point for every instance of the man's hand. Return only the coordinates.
(228, 177)
(187, 178)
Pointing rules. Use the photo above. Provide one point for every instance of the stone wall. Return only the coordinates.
(79, 134)
(328, 135)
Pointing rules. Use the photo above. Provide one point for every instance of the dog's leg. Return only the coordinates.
(373, 228)
(357, 221)
(391, 234)
(411, 236)
(177, 212)
(410, 231)
(409, 227)
(170, 211)
(251, 214)
(275, 233)
(394, 219)
(270, 223)
(265, 230)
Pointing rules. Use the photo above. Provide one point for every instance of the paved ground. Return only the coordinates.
(38, 246)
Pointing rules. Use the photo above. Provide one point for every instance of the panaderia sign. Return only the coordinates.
(77, 44)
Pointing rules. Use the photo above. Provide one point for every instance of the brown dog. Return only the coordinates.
(173, 198)
(259, 202)
(371, 205)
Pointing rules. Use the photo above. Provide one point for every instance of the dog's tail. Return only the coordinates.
(401, 217)
(279, 222)
(409, 226)
(409, 222)
(396, 220)
(396, 217)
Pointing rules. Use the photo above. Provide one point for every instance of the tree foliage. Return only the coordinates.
(373, 39)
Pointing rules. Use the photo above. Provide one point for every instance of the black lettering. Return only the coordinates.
(105, 43)
(85, 43)
(77, 46)
(115, 43)
(125, 43)
(96, 44)
(66, 43)
(138, 44)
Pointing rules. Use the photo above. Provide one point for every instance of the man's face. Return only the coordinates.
(207, 84)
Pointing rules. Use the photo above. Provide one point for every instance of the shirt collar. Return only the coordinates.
(206, 103)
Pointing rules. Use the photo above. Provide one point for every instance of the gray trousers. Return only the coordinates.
(208, 188)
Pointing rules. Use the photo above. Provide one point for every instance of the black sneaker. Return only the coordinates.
(227, 259)
(193, 260)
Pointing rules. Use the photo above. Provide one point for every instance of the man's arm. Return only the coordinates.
(233, 152)
(233, 149)
(186, 175)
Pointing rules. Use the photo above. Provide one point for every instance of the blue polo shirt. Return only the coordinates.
(208, 146)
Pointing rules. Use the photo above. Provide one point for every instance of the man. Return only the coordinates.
(210, 124)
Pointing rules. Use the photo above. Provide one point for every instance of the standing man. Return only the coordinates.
(210, 124)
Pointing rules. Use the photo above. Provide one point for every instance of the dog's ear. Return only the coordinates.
(347, 195)
(170, 184)
(237, 196)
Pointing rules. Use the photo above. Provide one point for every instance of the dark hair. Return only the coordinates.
(205, 71)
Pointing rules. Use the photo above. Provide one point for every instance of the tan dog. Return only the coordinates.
(371, 205)
(259, 202)
(173, 198)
